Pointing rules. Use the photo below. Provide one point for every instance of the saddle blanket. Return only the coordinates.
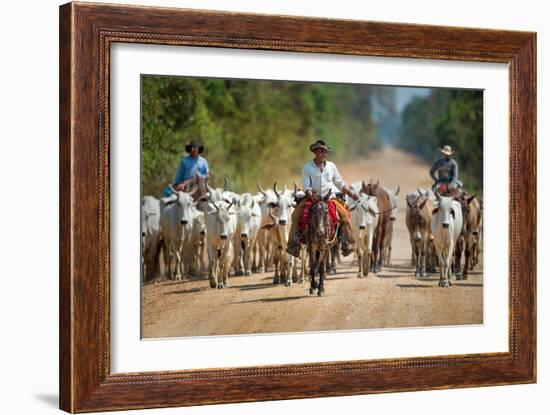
(332, 213)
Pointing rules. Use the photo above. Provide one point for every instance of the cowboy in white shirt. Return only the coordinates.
(321, 176)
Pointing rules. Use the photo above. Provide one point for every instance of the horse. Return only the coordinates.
(319, 241)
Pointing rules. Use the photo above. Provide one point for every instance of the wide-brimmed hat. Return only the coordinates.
(447, 150)
(192, 144)
(319, 144)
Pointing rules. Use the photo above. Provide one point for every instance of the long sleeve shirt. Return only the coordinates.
(321, 182)
(447, 171)
(189, 167)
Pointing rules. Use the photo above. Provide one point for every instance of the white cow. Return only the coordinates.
(394, 200)
(151, 240)
(248, 225)
(198, 241)
(364, 218)
(221, 223)
(177, 214)
(446, 227)
(281, 213)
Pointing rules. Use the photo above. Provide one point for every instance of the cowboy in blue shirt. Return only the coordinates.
(191, 167)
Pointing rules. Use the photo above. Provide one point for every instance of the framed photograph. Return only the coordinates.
(258, 207)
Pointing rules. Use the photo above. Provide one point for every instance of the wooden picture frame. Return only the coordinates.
(86, 33)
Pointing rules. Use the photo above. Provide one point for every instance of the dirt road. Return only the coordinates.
(391, 298)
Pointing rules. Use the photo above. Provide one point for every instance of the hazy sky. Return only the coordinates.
(406, 94)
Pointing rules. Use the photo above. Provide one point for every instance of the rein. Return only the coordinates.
(372, 213)
(335, 234)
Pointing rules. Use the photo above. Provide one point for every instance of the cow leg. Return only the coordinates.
(276, 277)
(416, 259)
(375, 254)
(458, 258)
(444, 262)
(212, 258)
(423, 258)
(303, 258)
(360, 262)
(467, 253)
(295, 269)
(167, 255)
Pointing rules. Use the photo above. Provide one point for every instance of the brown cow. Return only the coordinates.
(418, 220)
(471, 213)
(381, 232)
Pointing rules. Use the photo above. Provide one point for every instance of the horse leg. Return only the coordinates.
(322, 274)
(313, 272)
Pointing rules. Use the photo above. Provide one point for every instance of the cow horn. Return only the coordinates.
(421, 206)
(437, 195)
(193, 191)
(225, 183)
(363, 187)
(172, 189)
(295, 190)
(262, 191)
(397, 191)
(469, 200)
(214, 203)
(275, 189)
(209, 188)
(420, 192)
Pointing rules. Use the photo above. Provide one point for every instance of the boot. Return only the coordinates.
(294, 245)
(348, 245)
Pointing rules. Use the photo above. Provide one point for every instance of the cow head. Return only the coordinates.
(225, 219)
(370, 188)
(185, 206)
(418, 218)
(248, 210)
(364, 211)
(444, 210)
(283, 207)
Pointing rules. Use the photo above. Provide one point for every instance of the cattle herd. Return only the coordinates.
(215, 232)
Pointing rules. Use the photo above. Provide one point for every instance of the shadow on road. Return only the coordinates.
(254, 286)
(192, 290)
(272, 300)
(467, 284)
(413, 286)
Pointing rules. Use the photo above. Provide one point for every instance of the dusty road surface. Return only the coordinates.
(391, 298)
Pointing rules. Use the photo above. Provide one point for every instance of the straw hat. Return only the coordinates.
(319, 144)
(446, 150)
(194, 143)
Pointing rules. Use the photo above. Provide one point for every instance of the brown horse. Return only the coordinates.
(381, 233)
(319, 240)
